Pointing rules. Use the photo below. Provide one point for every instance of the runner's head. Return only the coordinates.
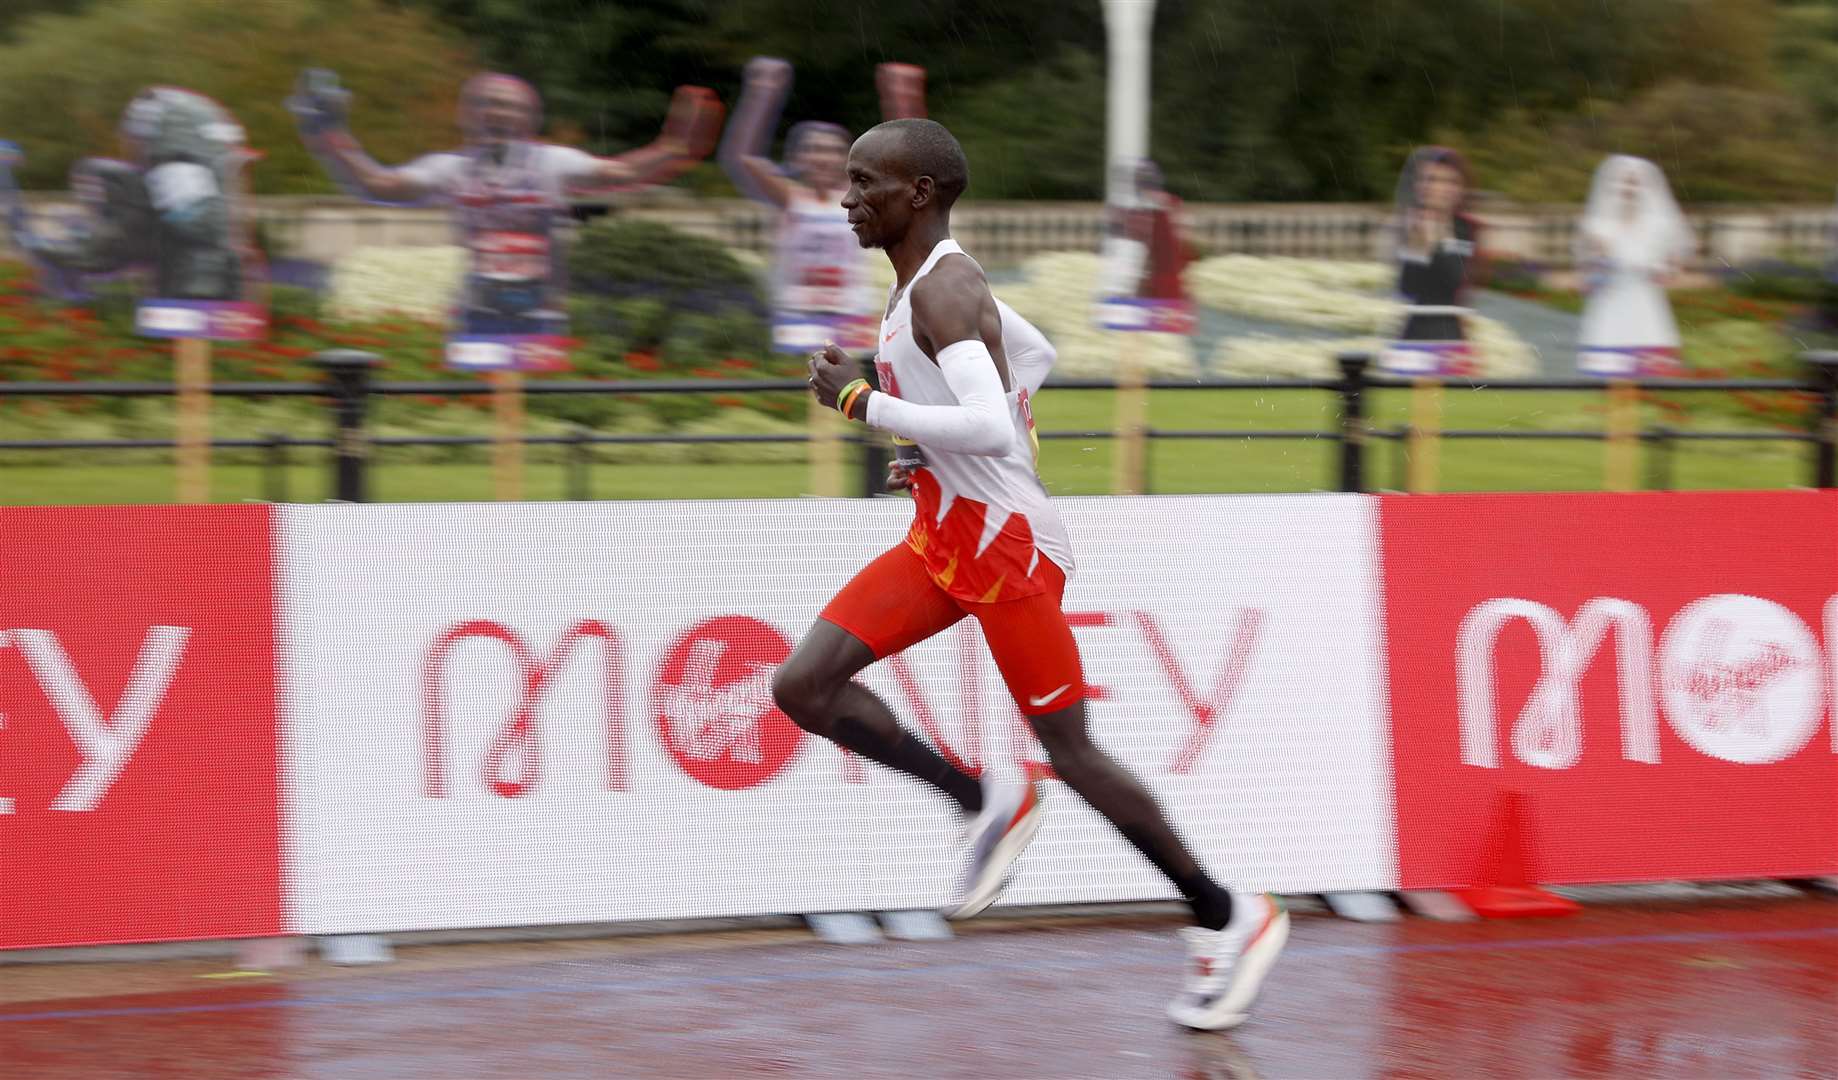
(902, 172)
(497, 108)
(816, 152)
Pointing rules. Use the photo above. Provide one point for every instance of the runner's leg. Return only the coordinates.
(888, 607)
(1034, 649)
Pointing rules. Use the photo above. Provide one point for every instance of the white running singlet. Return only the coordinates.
(982, 524)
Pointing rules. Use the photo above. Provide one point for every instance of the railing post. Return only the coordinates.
(1659, 458)
(1825, 449)
(874, 444)
(578, 483)
(348, 379)
(275, 467)
(1400, 456)
(1353, 420)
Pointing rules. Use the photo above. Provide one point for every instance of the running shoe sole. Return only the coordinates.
(996, 872)
(1234, 1006)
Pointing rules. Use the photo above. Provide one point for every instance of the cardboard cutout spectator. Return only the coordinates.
(174, 210)
(1632, 241)
(1144, 257)
(820, 273)
(1436, 244)
(509, 193)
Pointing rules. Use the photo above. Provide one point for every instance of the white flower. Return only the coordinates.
(1058, 296)
(377, 282)
(1308, 292)
(1328, 294)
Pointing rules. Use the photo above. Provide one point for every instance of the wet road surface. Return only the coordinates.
(1744, 989)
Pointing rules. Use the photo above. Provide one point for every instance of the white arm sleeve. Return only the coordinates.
(1030, 354)
(978, 424)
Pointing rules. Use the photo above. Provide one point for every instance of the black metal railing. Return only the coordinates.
(348, 390)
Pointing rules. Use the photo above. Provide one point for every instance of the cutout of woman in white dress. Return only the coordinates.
(1632, 243)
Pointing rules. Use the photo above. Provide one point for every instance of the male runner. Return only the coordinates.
(985, 542)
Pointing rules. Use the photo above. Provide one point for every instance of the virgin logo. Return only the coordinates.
(1740, 678)
(713, 703)
(1739, 675)
(513, 763)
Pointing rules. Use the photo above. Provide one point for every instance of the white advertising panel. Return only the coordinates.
(523, 714)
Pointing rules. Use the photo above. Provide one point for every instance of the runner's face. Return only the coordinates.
(820, 161)
(879, 198)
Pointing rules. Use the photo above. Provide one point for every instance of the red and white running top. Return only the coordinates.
(982, 522)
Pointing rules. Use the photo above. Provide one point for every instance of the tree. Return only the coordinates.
(69, 77)
(16, 13)
(1806, 54)
(1714, 143)
(1322, 99)
(607, 69)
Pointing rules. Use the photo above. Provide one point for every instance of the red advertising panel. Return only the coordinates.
(1649, 673)
(138, 791)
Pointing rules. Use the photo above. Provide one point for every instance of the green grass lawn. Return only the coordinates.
(1070, 466)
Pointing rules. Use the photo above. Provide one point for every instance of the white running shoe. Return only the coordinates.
(1008, 820)
(1229, 965)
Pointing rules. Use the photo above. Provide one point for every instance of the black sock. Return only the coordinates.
(1211, 904)
(901, 751)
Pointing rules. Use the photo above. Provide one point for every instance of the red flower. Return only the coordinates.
(639, 361)
(735, 363)
(729, 401)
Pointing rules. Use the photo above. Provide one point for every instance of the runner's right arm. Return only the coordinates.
(957, 318)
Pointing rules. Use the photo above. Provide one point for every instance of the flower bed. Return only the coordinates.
(1056, 296)
(394, 301)
(1322, 293)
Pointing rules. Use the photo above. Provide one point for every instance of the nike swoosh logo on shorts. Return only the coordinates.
(1037, 702)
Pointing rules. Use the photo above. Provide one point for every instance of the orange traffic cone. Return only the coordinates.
(1503, 888)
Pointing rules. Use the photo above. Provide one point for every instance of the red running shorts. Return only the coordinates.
(894, 604)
